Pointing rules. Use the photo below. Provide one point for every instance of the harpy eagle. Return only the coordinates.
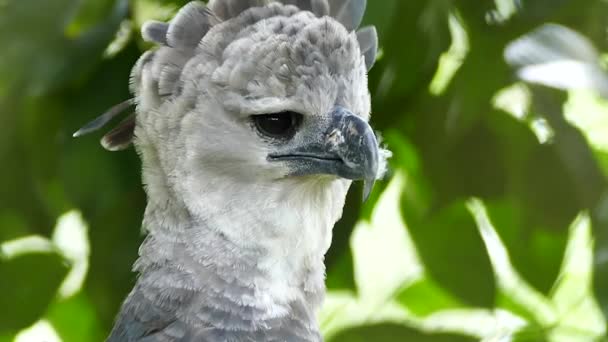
(251, 122)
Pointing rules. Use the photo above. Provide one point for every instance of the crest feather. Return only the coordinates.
(319, 7)
(155, 32)
(368, 42)
(227, 9)
(190, 25)
(348, 12)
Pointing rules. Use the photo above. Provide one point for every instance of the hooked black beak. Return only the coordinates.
(347, 148)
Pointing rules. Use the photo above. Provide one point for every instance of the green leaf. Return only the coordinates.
(394, 333)
(508, 280)
(453, 254)
(425, 297)
(571, 313)
(75, 319)
(40, 43)
(86, 15)
(28, 284)
(577, 309)
(531, 334)
(12, 225)
(383, 253)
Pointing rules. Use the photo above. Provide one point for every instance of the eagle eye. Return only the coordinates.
(278, 125)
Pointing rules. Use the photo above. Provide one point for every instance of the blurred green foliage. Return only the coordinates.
(526, 261)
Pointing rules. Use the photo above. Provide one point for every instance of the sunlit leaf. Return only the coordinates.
(558, 57)
(39, 331)
(384, 243)
(578, 312)
(71, 238)
(507, 278)
(589, 112)
(516, 100)
(452, 59)
(425, 297)
(395, 333)
(571, 313)
(381, 243)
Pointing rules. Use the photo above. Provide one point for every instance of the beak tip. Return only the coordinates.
(368, 186)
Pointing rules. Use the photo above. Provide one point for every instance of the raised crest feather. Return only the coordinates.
(227, 9)
(155, 32)
(190, 25)
(348, 12)
(319, 7)
(368, 42)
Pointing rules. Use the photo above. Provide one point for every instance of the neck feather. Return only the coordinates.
(259, 272)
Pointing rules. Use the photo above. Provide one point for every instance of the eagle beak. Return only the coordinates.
(347, 148)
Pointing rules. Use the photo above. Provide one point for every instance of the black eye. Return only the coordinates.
(279, 125)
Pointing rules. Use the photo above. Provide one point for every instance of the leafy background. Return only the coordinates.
(493, 224)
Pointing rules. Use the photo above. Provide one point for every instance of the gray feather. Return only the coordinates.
(368, 42)
(319, 7)
(167, 66)
(136, 73)
(227, 9)
(170, 304)
(169, 79)
(348, 12)
(190, 25)
(155, 32)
